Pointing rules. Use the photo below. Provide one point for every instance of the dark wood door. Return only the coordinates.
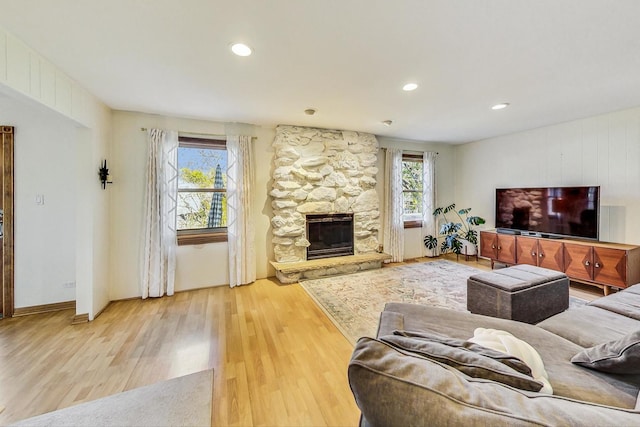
(610, 266)
(506, 248)
(6, 270)
(527, 250)
(578, 261)
(551, 254)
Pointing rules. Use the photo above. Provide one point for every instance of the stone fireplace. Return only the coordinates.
(321, 171)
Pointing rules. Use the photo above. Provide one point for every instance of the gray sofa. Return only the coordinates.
(401, 385)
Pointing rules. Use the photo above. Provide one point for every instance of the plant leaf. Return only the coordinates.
(430, 242)
(449, 208)
(454, 244)
(471, 236)
(450, 228)
(475, 220)
(457, 247)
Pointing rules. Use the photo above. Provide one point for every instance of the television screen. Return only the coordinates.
(552, 211)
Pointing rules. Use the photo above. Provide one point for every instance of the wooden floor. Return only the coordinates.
(278, 360)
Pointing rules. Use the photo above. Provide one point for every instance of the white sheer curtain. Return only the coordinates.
(158, 261)
(393, 228)
(429, 226)
(240, 227)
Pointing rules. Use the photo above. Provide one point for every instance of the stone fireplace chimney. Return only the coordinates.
(321, 171)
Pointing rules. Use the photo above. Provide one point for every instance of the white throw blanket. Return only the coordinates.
(506, 343)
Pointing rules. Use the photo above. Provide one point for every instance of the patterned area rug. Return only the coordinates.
(353, 302)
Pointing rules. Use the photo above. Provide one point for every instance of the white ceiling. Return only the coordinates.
(553, 60)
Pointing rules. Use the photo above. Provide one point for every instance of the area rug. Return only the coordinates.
(183, 401)
(353, 302)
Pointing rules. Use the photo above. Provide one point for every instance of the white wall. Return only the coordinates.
(197, 265)
(263, 212)
(413, 238)
(93, 270)
(44, 234)
(30, 79)
(602, 150)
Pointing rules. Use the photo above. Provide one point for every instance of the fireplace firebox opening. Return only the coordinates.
(330, 235)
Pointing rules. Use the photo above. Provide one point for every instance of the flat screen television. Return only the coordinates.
(549, 211)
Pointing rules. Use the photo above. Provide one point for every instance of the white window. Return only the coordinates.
(412, 184)
(202, 195)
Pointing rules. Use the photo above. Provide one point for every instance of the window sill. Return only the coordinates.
(201, 238)
(413, 224)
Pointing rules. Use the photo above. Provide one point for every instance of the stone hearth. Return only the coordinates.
(292, 272)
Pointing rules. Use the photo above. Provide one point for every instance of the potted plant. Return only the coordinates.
(455, 234)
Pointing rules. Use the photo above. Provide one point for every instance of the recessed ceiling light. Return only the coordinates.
(409, 87)
(241, 49)
(310, 111)
(387, 123)
(500, 106)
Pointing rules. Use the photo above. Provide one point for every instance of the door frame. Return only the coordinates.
(6, 133)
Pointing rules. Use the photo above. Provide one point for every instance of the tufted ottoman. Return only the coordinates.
(523, 292)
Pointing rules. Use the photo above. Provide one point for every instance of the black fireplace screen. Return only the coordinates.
(330, 235)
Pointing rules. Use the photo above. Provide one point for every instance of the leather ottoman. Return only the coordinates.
(523, 292)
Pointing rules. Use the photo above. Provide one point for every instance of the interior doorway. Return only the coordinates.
(6, 220)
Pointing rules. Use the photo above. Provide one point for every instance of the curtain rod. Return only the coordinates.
(414, 151)
(192, 133)
(199, 133)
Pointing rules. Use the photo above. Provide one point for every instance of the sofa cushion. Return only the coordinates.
(389, 322)
(625, 303)
(588, 325)
(474, 364)
(566, 378)
(619, 357)
(502, 357)
(392, 387)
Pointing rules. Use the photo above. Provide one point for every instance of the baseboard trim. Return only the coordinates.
(44, 308)
(80, 318)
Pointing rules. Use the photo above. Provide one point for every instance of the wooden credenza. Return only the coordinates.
(599, 264)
